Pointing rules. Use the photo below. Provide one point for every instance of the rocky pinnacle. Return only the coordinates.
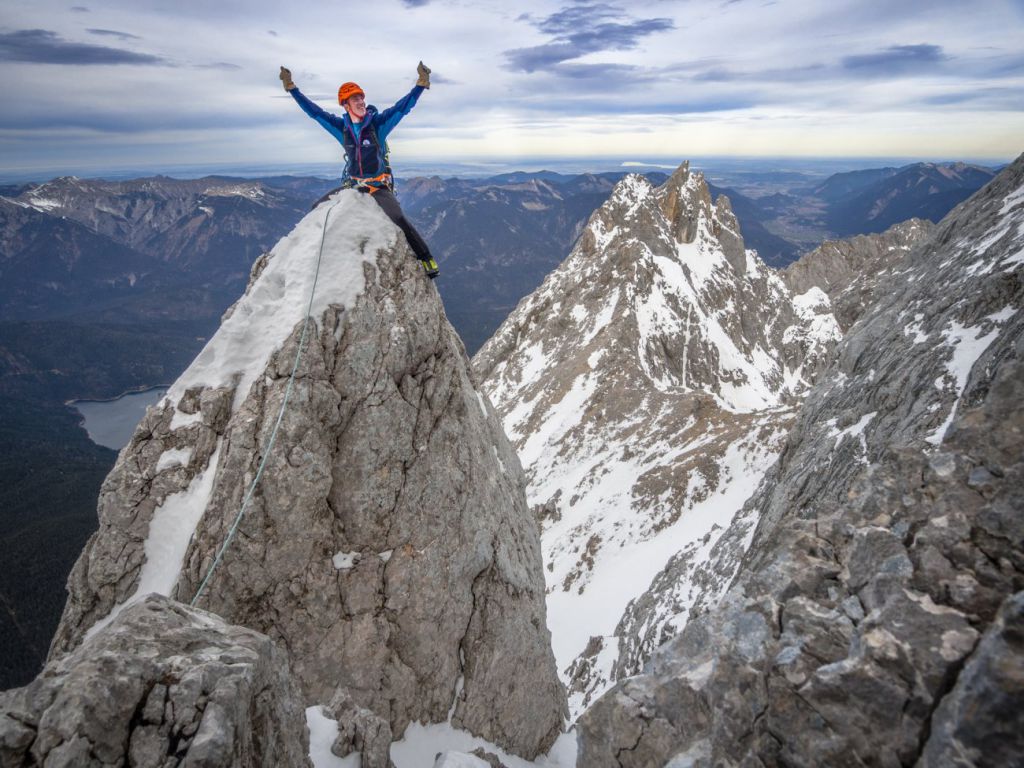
(388, 547)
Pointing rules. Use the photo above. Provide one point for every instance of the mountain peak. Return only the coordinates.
(387, 544)
(685, 201)
(897, 484)
(632, 383)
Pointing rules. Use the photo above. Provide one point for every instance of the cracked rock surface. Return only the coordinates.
(163, 685)
(876, 616)
(388, 547)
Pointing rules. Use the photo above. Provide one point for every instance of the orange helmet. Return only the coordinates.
(347, 91)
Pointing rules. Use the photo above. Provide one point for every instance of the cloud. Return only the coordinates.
(1003, 65)
(272, 33)
(580, 29)
(989, 99)
(773, 75)
(603, 72)
(41, 46)
(896, 58)
(223, 65)
(415, 3)
(135, 123)
(575, 17)
(694, 106)
(79, 9)
(113, 33)
(541, 56)
(894, 61)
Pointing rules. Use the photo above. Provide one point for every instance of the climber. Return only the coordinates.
(363, 132)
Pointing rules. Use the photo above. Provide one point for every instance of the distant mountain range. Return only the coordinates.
(80, 246)
(154, 247)
(865, 202)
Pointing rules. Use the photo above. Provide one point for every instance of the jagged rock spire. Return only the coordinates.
(388, 547)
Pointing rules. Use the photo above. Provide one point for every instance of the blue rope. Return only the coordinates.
(280, 416)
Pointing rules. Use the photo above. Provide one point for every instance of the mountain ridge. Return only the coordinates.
(647, 380)
(871, 574)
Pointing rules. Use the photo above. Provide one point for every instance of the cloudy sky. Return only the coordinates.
(149, 83)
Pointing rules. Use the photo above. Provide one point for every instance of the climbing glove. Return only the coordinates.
(424, 72)
(286, 79)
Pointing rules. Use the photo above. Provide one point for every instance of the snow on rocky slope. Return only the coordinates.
(852, 271)
(877, 613)
(647, 386)
(388, 547)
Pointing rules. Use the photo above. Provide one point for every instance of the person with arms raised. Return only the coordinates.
(363, 132)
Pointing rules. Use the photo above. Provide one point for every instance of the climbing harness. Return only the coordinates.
(374, 183)
(280, 416)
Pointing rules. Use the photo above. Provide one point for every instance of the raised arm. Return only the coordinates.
(322, 116)
(391, 116)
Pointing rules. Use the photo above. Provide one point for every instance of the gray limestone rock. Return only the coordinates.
(359, 730)
(459, 760)
(851, 271)
(864, 625)
(161, 685)
(388, 546)
(489, 757)
(981, 720)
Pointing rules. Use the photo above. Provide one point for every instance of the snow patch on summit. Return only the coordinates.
(263, 319)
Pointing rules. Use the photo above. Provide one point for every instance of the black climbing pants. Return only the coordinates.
(389, 204)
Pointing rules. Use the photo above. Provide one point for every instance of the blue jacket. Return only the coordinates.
(365, 143)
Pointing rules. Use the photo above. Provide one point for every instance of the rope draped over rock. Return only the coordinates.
(277, 424)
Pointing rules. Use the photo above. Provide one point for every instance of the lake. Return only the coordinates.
(110, 423)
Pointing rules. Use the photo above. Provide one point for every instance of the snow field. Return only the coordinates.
(606, 549)
(624, 567)
(421, 743)
(323, 730)
(967, 344)
(170, 531)
(176, 457)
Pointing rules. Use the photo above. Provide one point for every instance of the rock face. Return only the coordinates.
(875, 617)
(387, 546)
(983, 716)
(162, 685)
(852, 271)
(647, 385)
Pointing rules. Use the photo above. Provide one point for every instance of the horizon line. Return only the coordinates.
(490, 165)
